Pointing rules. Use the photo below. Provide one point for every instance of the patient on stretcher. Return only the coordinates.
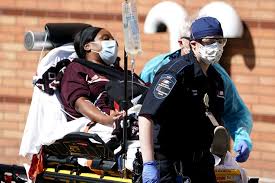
(82, 90)
(75, 91)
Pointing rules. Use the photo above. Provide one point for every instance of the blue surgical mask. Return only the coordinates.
(108, 53)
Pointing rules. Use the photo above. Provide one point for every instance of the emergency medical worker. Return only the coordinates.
(182, 92)
(236, 117)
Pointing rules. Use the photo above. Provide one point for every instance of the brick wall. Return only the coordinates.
(249, 60)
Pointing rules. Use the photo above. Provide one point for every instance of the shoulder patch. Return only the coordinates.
(164, 86)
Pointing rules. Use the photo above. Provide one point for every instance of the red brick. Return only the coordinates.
(265, 52)
(118, 8)
(7, 38)
(27, 21)
(8, 107)
(1, 116)
(264, 127)
(24, 92)
(267, 100)
(267, 80)
(7, 91)
(255, 155)
(266, 5)
(264, 146)
(71, 5)
(11, 134)
(263, 33)
(269, 176)
(11, 151)
(4, 159)
(244, 88)
(10, 29)
(12, 82)
(9, 56)
(266, 62)
(7, 125)
(12, 46)
(28, 84)
(263, 14)
(7, 20)
(9, 143)
(26, 4)
(250, 99)
(7, 73)
(27, 57)
(23, 74)
(7, 3)
(263, 137)
(251, 172)
(268, 156)
(95, 7)
(246, 4)
(49, 4)
(14, 117)
(255, 135)
(266, 43)
(11, 64)
(245, 79)
(263, 109)
(257, 71)
(259, 164)
(263, 90)
(31, 65)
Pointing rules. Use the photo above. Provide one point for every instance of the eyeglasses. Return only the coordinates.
(209, 41)
(185, 37)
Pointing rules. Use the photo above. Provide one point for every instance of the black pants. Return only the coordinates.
(198, 169)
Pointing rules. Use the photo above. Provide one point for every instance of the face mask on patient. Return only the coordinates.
(109, 50)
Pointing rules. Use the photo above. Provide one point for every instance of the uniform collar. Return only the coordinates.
(197, 68)
(175, 55)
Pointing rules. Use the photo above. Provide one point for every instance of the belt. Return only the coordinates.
(191, 157)
(160, 156)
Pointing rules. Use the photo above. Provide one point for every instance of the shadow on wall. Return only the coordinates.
(241, 46)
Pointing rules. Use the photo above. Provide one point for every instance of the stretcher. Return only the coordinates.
(85, 157)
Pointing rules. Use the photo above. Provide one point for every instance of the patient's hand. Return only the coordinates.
(116, 115)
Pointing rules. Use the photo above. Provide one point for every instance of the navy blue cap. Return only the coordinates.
(205, 26)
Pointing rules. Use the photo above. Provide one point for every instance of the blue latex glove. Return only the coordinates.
(150, 173)
(243, 151)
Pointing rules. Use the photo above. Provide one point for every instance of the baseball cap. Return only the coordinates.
(205, 26)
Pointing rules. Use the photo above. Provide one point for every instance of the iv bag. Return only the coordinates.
(130, 28)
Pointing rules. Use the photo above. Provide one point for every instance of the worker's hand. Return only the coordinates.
(150, 173)
(243, 151)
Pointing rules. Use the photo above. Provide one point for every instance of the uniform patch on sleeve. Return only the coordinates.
(164, 86)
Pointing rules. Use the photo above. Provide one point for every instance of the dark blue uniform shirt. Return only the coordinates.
(175, 101)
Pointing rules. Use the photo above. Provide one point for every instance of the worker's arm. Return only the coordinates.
(146, 138)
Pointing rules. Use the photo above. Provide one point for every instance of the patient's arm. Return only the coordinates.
(88, 109)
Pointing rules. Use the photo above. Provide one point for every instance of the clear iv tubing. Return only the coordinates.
(132, 70)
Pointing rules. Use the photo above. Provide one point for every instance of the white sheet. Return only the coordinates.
(46, 123)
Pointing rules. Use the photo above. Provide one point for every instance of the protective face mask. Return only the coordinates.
(108, 52)
(212, 53)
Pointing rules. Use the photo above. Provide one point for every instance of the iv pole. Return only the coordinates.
(132, 48)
